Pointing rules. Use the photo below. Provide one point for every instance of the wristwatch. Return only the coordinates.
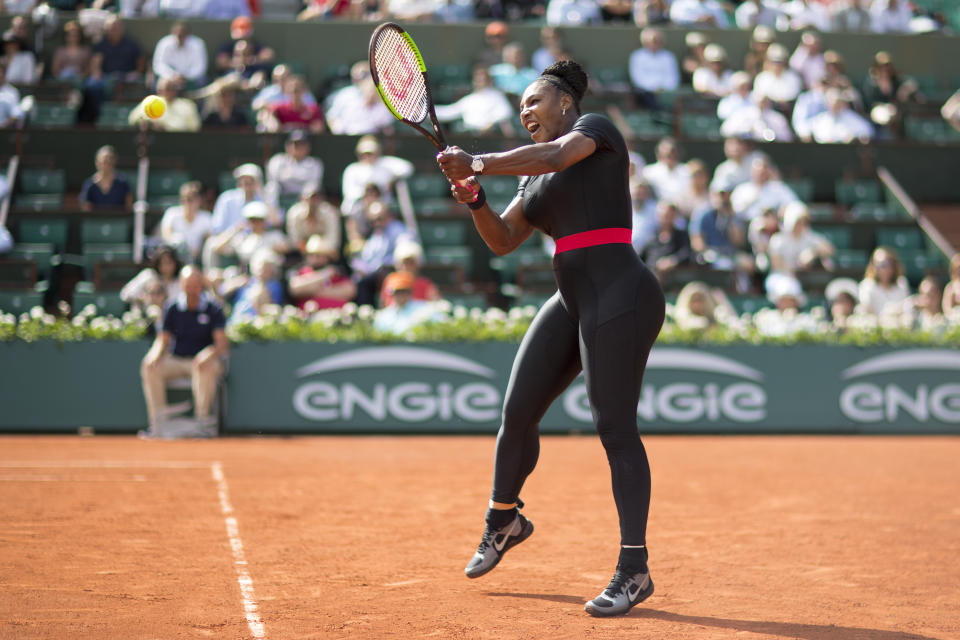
(477, 165)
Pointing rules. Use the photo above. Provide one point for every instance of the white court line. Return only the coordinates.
(239, 559)
(31, 477)
(102, 464)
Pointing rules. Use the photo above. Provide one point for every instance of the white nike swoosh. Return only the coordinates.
(499, 547)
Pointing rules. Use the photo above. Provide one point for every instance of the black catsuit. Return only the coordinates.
(604, 320)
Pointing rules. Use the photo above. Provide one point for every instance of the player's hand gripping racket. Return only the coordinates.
(401, 78)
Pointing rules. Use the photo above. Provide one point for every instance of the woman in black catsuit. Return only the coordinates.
(604, 319)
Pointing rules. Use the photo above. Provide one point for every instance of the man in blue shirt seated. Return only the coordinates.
(192, 343)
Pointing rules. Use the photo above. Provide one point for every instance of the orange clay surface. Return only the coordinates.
(847, 538)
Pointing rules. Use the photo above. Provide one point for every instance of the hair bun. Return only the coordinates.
(571, 73)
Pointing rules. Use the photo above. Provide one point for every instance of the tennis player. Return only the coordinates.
(603, 320)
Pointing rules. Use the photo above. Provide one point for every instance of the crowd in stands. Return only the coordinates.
(275, 237)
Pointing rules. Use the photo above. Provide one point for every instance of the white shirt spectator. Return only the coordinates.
(877, 300)
(383, 172)
(244, 245)
(810, 65)
(731, 172)
(705, 80)
(349, 112)
(758, 122)
(668, 184)
(752, 13)
(286, 176)
(890, 16)
(189, 60)
(412, 9)
(654, 70)
(732, 103)
(784, 87)
(749, 199)
(573, 12)
(479, 110)
(139, 9)
(18, 7)
(788, 247)
(228, 210)
(9, 93)
(843, 127)
(695, 12)
(803, 14)
(22, 68)
(175, 230)
(183, 8)
(809, 104)
(6, 240)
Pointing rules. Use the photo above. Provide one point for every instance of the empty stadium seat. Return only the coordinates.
(50, 231)
(94, 253)
(851, 259)
(104, 231)
(114, 115)
(427, 185)
(19, 301)
(524, 255)
(821, 211)
(460, 256)
(850, 192)
(839, 237)
(803, 187)
(648, 125)
(468, 300)
(443, 233)
(918, 262)
(52, 115)
(106, 303)
(40, 254)
(872, 211)
(163, 187)
(909, 238)
(17, 273)
(700, 126)
(41, 189)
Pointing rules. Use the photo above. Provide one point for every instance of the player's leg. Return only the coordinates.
(547, 362)
(615, 355)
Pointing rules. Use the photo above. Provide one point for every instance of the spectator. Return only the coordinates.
(670, 246)
(228, 210)
(245, 239)
(885, 93)
(371, 167)
(241, 29)
(21, 64)
(760, 41)
(181, 113)
(181, 56)
(764, 191)
(376, 257)
(186, 225)
(890, 16)
(807, 59)
(649, 13)
(513, 74)
(320, 283)
(759, 121)
(573, 12)
(295, 112)
(738, 98)
(407, 258)
(884, 287)
(950, 109)
(839, 123)
(695, 42)
(6, 240)
(777, 81)
(786, 293)
(669, 178)
(841, 295)
(274, 93)
(717, 237)
(924, 309)
(798, 15)
(698, 308)
(289, 172)
(653, 69)
(259, 289)
(481, 110)
(312, 217)
(644, 214)
(852, 15)
(551, 49)
(454, 11)
(106, 188)
(10, 111)
(696, 199)
(192, 343)
(157, 283)
(735, 170)
(71, 60)
(809, 104)
(245, 70)
(496, 35)
(17, 7)
(713, 80)
(613, 11)
(797, 247)
(759, 232)
(404, 313)
(221, 110)
(951, 293)
(698, 13)
(357, 108)
(226, 10)
(117, 55)
(752, 13)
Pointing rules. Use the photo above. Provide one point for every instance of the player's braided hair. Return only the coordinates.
(569, 77)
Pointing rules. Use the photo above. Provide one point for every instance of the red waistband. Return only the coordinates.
(592, 238)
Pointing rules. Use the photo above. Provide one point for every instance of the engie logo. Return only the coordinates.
(688, 401)
(931, 398)
(405, 401)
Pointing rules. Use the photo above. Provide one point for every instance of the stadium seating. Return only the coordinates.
(114, 116)
(849, 192)
(106, 303)
(17, 273)
(49, 231)
(53, 115)
(41, 189)
(163, 187)
(17, 302)
(909, 238)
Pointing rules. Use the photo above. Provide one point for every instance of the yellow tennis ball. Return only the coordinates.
(154, 106)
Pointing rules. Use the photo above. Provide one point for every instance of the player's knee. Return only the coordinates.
(618, 437)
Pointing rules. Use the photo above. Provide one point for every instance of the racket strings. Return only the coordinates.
(400, 78)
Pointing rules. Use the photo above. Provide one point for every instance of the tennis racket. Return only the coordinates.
(401, 78)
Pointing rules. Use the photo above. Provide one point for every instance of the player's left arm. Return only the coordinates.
(529, 160)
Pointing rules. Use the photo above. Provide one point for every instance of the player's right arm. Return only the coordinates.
(502, 232)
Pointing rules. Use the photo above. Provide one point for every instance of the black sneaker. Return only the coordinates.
(623, 592)
(495, 543)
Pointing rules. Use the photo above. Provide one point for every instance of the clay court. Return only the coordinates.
(814, 538)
